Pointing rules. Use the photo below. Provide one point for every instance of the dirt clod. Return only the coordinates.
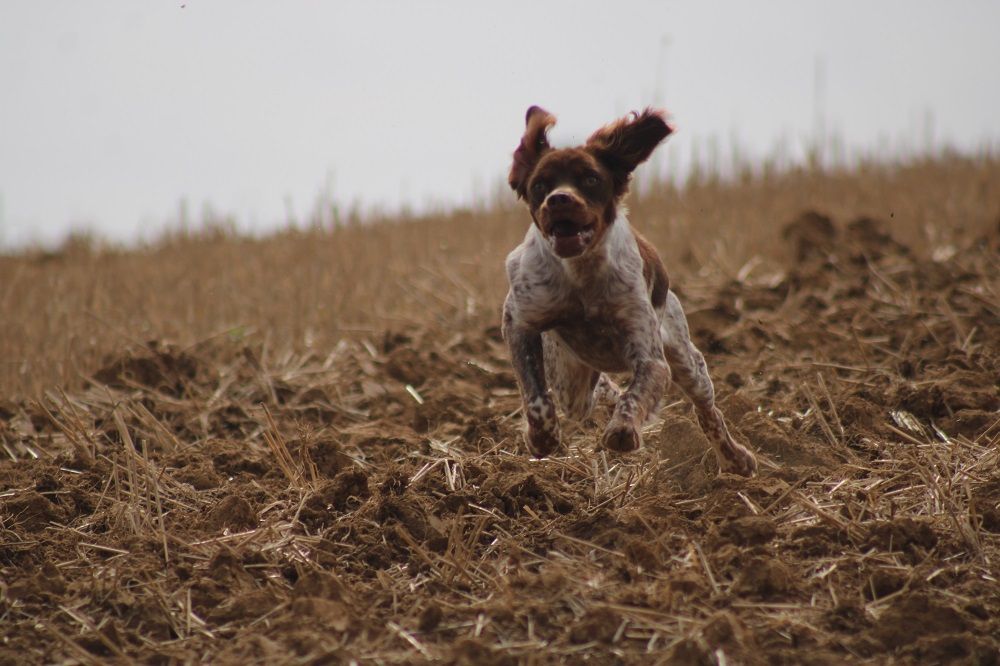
(430, 617)
(812, 234)
(916, 615)
(764, 576)
(905, 534)
(750, 530)
(599, 625)
(233, 512)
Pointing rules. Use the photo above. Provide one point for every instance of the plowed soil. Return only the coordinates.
(224, 503)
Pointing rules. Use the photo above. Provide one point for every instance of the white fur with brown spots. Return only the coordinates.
(589, 296)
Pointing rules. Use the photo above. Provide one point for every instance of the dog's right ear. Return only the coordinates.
(626, 143)
(533, 145)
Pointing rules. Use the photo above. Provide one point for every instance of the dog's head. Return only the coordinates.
(573, 193)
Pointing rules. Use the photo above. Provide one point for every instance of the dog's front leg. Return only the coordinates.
(649, 381)
(525, 343)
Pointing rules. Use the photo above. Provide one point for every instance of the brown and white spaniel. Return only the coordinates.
(590, 296)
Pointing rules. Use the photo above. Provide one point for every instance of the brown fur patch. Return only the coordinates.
(653, 271)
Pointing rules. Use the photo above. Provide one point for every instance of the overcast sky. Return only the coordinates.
(114, 111)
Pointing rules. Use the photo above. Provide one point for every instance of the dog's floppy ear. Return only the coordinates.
(626, 143)
(533, 145)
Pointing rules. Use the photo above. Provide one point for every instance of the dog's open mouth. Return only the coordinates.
(570, 238)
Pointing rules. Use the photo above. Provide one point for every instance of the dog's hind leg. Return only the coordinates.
(687, 365)
(572, 381)
(606, 392)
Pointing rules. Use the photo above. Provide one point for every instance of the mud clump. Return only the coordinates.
(811, 235)
(31, 511)
(349, 487)
(430, 618)
(945, 397)
(689, 652)
(247, 606)
(471, 652)
(956, 648)
(232, 512)
(406, 365)
(328, 456)
(163, 368)
(902, 534)
(321, 584)
(405, 513)
(871, 237)
(968, 422)
(682, 441)
(46, 585)
(750, 530)
(230, 458)
(200, 476)
(764, 577)
(917, 615)
(599, 625)
(882, 583)
(774, 439)
(725, 630)
(528, 490)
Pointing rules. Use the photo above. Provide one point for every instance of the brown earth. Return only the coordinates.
(374, 502)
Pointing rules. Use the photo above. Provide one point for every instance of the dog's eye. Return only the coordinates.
(538, 187)
(591, 181)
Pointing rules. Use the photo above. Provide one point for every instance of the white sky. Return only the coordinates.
(113, 111)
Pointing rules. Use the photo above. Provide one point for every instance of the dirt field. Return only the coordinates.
(221, 474)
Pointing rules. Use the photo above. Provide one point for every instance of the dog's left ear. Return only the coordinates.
(533, 145)
(625, 144)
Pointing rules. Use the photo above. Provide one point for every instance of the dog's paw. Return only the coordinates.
(542, 437)
(541, 442)
(606, 392)
(621, 438)
(737, 459)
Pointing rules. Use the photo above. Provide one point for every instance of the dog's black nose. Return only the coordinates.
(559, 200)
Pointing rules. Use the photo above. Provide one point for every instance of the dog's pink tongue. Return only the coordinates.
(569, 246)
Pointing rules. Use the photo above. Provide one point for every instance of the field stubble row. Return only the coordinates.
(66, 311)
